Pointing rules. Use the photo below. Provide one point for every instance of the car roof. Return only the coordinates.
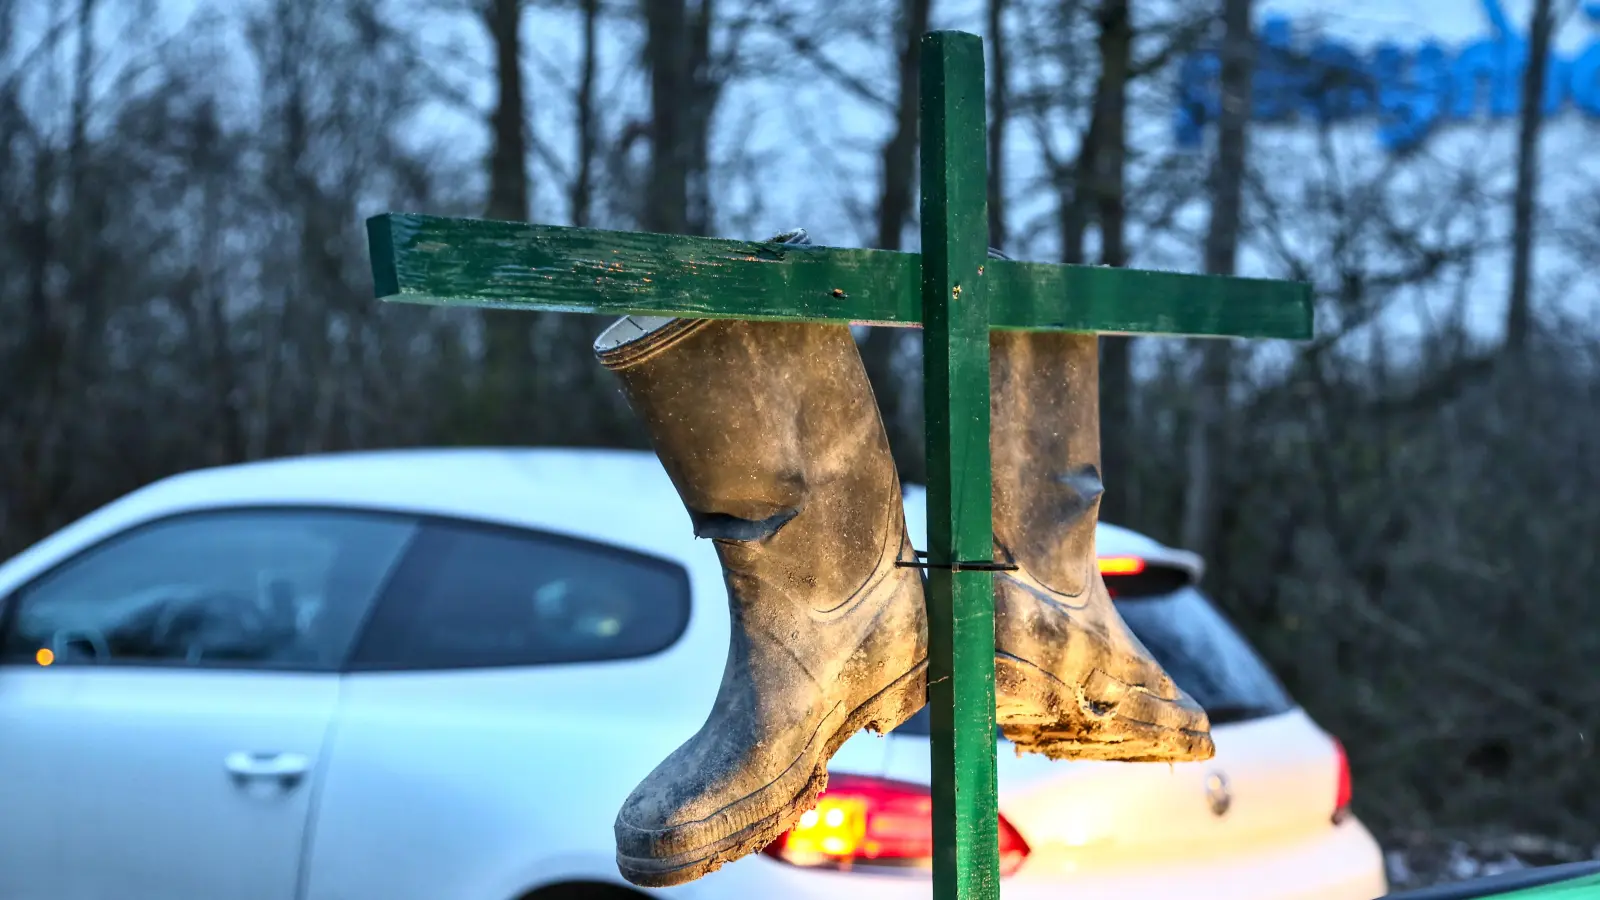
(548, 489)
(604, 494)
(476, 482)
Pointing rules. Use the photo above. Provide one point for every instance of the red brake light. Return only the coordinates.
(860, 820)
(1121, 565)
(1341, 800)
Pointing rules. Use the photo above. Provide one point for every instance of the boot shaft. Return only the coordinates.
(1072, 681)
(1045, 448)
(771, 434)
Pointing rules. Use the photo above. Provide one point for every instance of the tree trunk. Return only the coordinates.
(899, 161)
(508, 335)
(1077, 194)
(1207, 440)
(667, 195)
(703, 93)
(999, 116)
(682, 99)
(508, 171)
(594, 413)
(900, 153)
(1116, 369)
(582, 199)
(1519, 315)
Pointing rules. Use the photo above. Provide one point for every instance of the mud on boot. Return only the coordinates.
(773, 439)
(1071, 680)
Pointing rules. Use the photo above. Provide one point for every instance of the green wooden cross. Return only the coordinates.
(952, 290)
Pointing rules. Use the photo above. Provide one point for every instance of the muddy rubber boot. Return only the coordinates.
(771, 435)
(1071, 681)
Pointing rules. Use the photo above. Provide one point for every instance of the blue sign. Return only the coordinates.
(1409, 90)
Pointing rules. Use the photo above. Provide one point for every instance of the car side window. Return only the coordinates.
(257, 588)
(473, 596)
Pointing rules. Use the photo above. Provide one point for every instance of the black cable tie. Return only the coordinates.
(985, 565)
(974, 566)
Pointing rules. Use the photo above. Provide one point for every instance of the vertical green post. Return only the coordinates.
(955, 311)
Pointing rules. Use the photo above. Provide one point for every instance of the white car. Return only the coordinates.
(435, 675)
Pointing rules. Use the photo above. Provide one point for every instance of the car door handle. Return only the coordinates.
(285, 768)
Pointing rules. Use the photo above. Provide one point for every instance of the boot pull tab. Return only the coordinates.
(1086, 486)
(723, 527)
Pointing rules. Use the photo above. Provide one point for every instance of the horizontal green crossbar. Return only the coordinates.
(473, 262)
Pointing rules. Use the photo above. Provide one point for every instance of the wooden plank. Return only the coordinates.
(1136, 301)
(955, 295)
(426, 259)
(471, 262)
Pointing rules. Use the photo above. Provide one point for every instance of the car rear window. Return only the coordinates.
(1197, 646)
(1205, 655)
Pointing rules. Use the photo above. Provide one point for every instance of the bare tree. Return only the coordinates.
(881, 347)
(189, 286)
(582, 191)
(564, 341)
(1109, 164)
(999, 120)
(899, 156)
(683, 95)
(1207, 434)
(509, 186)
(1519, 317)
(508, 343)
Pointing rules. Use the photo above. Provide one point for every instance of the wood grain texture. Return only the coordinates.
(472, 262)
(956, 295)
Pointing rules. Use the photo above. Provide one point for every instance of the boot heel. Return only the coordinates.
(892, 706)
(1022, 703)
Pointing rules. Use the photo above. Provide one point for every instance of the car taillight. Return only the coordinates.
(1341, 798)
(860, 820)
(1121, 565)
(1133, 577)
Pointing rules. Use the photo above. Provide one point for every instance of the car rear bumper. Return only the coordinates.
(1346, 864)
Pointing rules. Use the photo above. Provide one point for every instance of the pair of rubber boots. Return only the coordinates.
(773, 438)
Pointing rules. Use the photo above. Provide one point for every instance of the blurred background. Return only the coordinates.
(1403, 514)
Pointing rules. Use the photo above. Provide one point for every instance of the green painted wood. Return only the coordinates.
(471, 262)
(956, 292)
(952, 291)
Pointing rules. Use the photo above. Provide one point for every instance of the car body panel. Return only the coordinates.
(444, 783)
(134, 791)
(37, 715)
(448, 830)
(1279, 786)
(1345, 865)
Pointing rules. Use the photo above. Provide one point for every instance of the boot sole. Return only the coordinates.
(884, 712)
(1039, 713)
